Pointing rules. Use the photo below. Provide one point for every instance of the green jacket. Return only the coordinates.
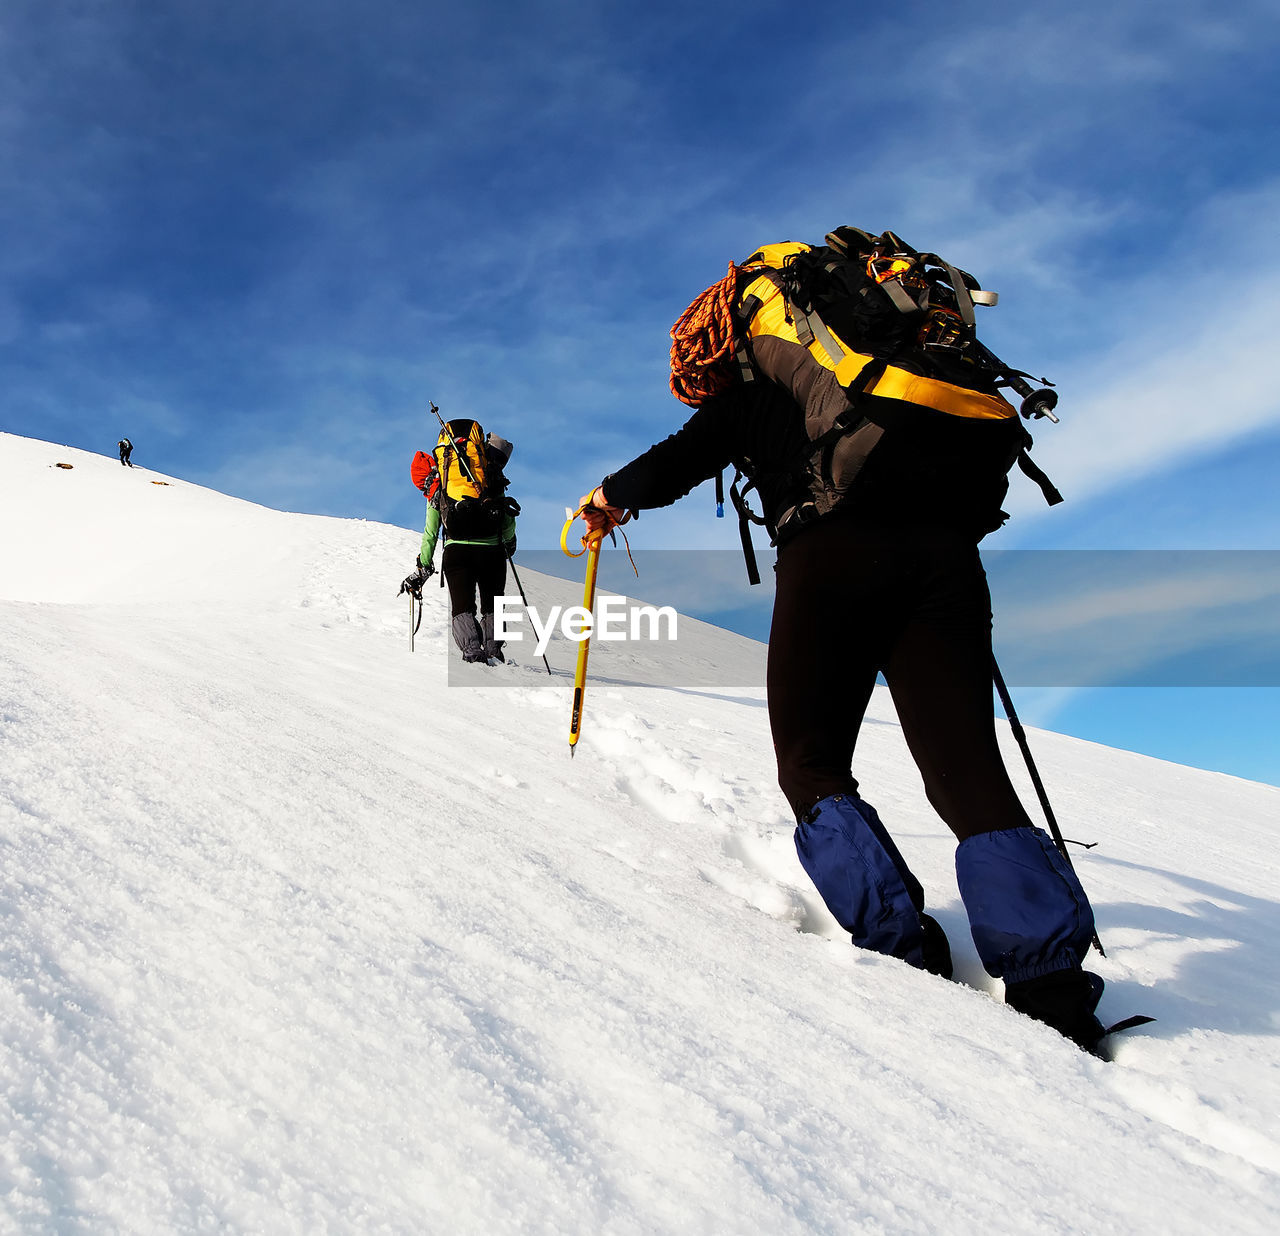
(431, 532)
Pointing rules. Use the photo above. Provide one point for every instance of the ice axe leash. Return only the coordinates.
(1006, 701)
(591, 547)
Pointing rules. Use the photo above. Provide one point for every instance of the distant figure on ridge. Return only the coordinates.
(467, 500)
(126, 449)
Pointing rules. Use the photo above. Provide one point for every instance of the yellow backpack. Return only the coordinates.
(471, 494)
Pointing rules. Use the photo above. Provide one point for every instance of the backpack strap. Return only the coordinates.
(744, 313)
(899, 295)
(746, 517)
(964, 302)
(817, 330)
(850, 421)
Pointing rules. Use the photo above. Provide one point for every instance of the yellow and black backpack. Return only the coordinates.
(869, 336)
(472, 486)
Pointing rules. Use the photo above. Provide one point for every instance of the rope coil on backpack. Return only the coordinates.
(702, 341)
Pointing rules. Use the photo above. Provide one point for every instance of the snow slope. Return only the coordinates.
(295, 937)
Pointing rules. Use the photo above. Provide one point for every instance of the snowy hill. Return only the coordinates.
(297, 937)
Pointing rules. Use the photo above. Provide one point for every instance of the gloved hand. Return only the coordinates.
(413, 583)
(599, 515)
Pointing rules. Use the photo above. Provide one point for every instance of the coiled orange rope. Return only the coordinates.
(703, 340)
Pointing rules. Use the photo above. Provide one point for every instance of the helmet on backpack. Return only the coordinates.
(499, 447)
(424, 474)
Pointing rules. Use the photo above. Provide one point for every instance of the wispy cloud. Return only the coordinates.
(1156, 618)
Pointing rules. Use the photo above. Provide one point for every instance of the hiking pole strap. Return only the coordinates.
(1033, 472)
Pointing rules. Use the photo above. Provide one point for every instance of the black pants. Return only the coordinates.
(912, 603)
(472, 569)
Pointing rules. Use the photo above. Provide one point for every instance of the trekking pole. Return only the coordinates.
(412, 629)
(523, 599)
(1006, 701)
(1035, 403)
(591, 547)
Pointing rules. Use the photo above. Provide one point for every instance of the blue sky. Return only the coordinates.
(259, 237)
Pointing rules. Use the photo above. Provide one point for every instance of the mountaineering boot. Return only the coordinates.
(936, 949)
(865, 883)
(1065, 1000)
(492, 647)
(1032, 925)
(466, 634)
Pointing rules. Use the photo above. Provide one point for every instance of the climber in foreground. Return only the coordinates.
(846, 384)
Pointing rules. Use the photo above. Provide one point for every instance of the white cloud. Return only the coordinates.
(1188, 366)
(1085, 618)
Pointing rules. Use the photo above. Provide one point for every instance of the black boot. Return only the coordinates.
(492, 647)
(1065, 1000)
(936, 949)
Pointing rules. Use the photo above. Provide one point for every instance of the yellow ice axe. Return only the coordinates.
(590, 547)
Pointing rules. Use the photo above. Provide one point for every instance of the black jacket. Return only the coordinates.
(755, 427)
(925, 469)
